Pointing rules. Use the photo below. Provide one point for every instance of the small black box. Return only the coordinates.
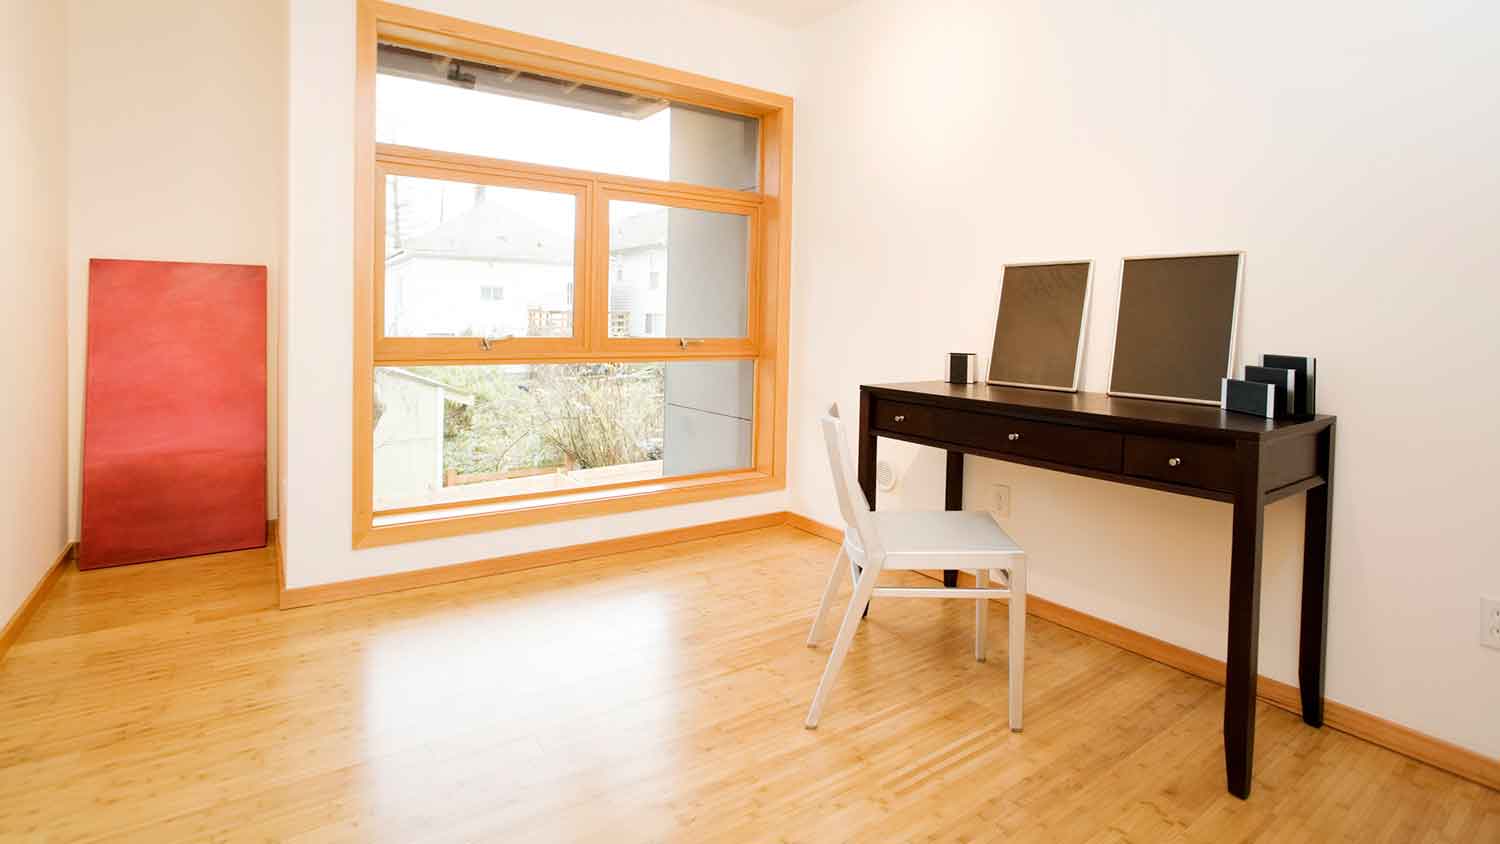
(963, 368)
(1286, 386)
(1307, 388)
(1252, 397)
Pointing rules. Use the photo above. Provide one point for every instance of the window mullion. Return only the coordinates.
(598, 270)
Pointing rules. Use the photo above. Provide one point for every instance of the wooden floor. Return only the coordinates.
(651, 696)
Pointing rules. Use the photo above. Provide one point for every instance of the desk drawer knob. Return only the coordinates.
(900, 418)
(1174, 461)
(1013, 437)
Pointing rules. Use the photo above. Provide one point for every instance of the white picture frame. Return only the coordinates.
(1234, 320)
(1083, 324)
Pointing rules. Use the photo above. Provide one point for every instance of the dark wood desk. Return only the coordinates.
(1187, 449)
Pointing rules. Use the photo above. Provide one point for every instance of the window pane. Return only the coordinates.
(471, 260)
(677, 272)
(455, 105)
(459, 433)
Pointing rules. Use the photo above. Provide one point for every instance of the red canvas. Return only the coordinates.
(174, 430)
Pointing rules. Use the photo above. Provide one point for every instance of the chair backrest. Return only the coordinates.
(852, 502)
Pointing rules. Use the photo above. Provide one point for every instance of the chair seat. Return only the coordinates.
(910, 534)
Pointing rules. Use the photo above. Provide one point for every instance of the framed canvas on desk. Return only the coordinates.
(1040, 325)
(1175, 324)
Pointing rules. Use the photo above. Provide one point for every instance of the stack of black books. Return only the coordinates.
(1282, 387)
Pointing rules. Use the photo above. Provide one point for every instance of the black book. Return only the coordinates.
(1285, 381)
(1252, 397)
(1306, 386)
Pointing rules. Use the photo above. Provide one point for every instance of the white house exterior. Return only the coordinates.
(638, 275)
(409, 434)
(488, 272)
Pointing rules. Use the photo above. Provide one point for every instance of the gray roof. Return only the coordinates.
(450, 393)
(491, 231)
(646, 229)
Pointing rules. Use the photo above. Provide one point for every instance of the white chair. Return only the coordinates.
(877, 541)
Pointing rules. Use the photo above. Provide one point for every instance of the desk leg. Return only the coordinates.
(1316, 544)
(1244, 620)
(866, 458)
(953, 499)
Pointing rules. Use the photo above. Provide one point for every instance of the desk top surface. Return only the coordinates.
(1098, 408)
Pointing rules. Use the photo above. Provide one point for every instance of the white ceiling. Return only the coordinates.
(789, 13)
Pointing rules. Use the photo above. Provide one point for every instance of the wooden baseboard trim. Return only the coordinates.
(274, 540)
(34, 600)
(814, 527)
(366, 586)
(1434, 751)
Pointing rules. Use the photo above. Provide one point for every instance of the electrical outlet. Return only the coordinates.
(1000, 500)
(1489, 622)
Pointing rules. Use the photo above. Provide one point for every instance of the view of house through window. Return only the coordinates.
(476, 260)
(686, 267)
(497, 256)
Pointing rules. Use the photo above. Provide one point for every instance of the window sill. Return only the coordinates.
(391, 529)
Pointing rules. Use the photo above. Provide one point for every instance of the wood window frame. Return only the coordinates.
(664, 348)
(768, 212)
(393, 161)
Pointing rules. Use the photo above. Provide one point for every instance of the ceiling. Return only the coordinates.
(788, 13)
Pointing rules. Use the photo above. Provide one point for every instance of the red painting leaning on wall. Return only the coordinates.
(174, 439)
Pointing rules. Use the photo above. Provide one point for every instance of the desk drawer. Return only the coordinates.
(1062, 444)
(1191, 464)
(913, 420)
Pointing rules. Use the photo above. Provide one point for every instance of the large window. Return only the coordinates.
(573, 282)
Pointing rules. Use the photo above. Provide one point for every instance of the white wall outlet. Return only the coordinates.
(1000, 500)
(1489, 622)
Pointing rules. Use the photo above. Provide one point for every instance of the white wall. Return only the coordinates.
(175, 113)
(320, 276)
(1349, 147)
(33, 321)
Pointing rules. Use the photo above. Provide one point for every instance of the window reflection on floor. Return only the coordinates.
(442, 681)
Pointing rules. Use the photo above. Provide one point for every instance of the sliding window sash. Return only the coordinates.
(592, 192)
(658, 348)
(413, 350)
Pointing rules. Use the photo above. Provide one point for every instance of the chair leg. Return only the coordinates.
(862, 592)
(828, 593)
(1017, 640)
(854, 580)
(981, 617)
